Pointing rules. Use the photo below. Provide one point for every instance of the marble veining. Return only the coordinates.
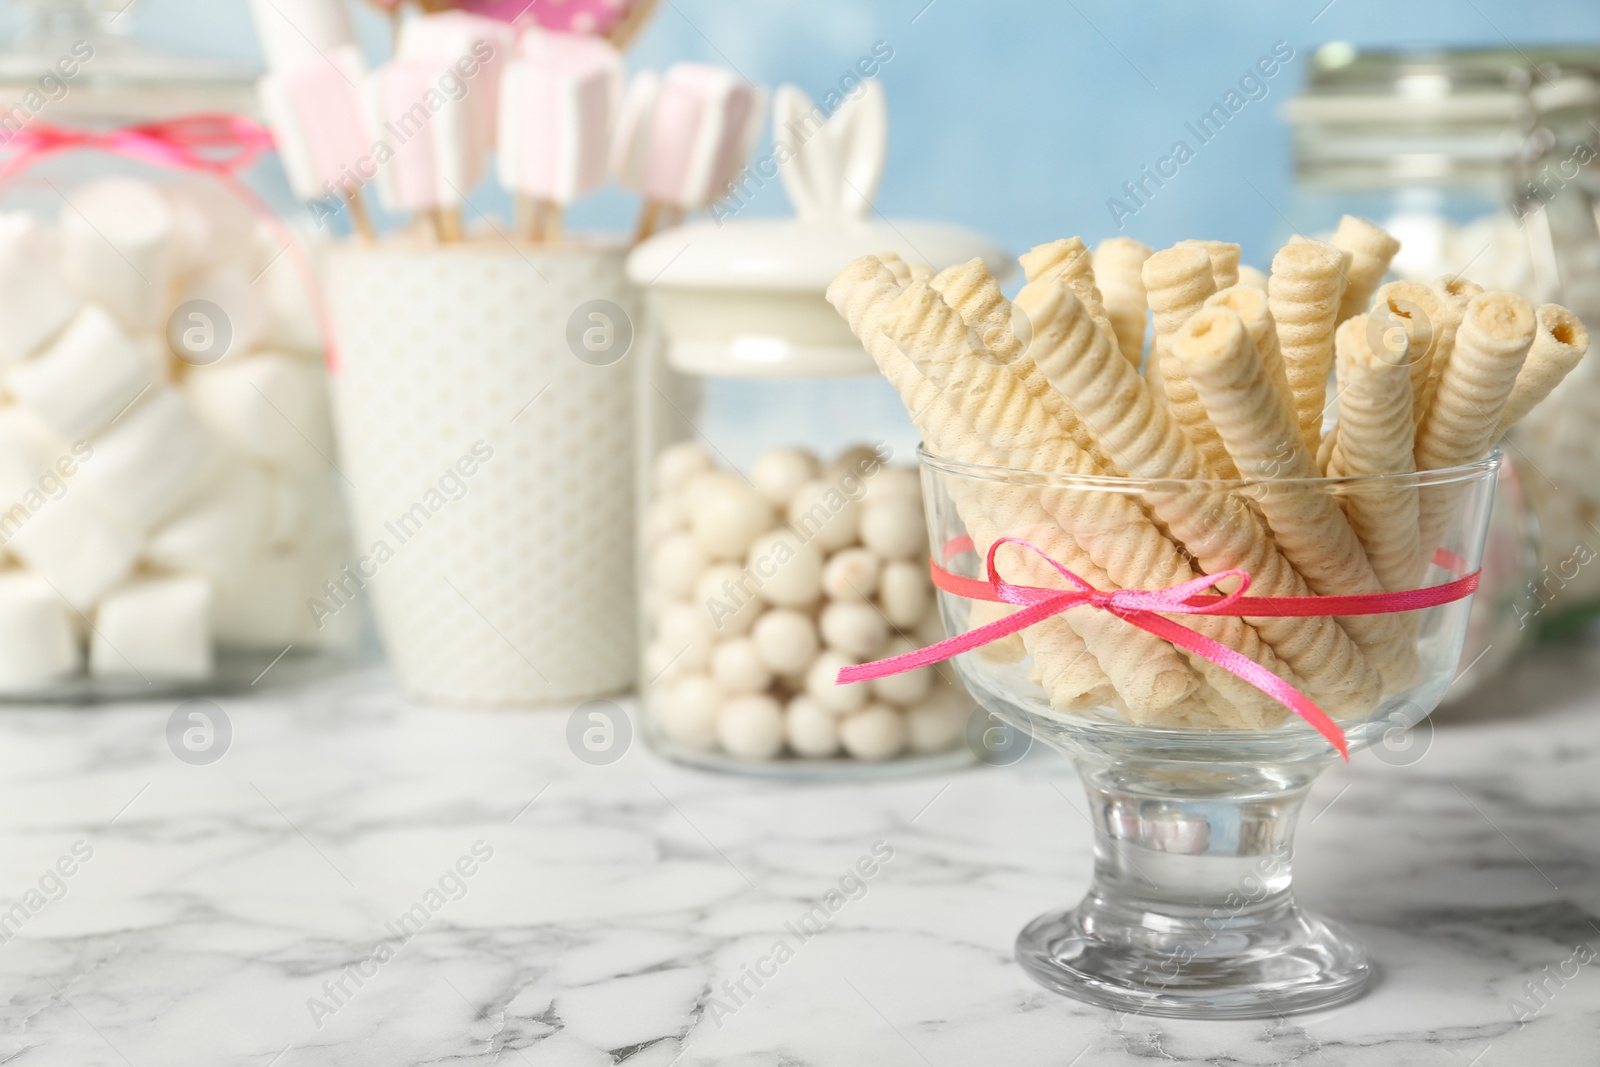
(303, 900)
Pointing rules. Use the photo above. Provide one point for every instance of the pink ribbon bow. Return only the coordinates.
(1146, 610)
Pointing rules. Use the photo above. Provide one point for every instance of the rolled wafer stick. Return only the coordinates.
(1119, 272)
(1458, 290)
(1557, 348)
(1114, 532)
(1474, 386)
(1250, 304)
(1371, 249)
(1252, 277)
(975, 295)
(1304, 291)
(864, 294)
(1220, 531)
(1264, 440)
(1179, 280)
(1069, 260)
(1224, 257)
(1430, 325)
(1375, 437)
(1325, 455)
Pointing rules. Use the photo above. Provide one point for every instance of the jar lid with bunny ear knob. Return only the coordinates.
(738, 297)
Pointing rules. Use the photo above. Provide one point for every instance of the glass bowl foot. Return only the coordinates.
(1210, 967)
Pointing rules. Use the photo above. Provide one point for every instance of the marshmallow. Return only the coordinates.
(75, 546)
(35, 301)
(315, 112)
(115, 248)
(556, 105)
(38, 644)
(211, 227)
(152, 461)
(153, 628)
(272, 407)
(262, 604)
(296, 33)
(27, 452)
(88, 377)
(221, 529)
(630, 140)
(438, 156)
(242, 306)
(702, 128)
(291, 316)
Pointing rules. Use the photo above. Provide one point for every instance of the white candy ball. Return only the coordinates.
(786, 641)
(820, 513)
(931, 630)
(854, 629)
(727, 597)
(662, 663)
(839, 699)
(664, 516)
(676, 464)
(937, 724)
(906, 593)
(751, 727)
(893, 528)
(859, 460)
(687, 710)
(738, 668)
(729, 519)
(703, 486)
(877, 732)
(851, 574)
(777, 474)
(902, 483)
(810, 729)
(904, 689)
(676, 562)
(788, 572)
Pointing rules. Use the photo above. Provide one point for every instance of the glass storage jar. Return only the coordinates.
(1480, 162)
(782, 533)
(168, 505)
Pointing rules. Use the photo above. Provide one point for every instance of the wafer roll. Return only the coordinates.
(1220, 530)
(1252, 277)
(1224, 257)
(1557, 348)
(1459, 425)
(1458, 290)
(1179, 281)
(1430, 326)
(975, 295)
(1119, 271)
(864, 294)
(1371, 249)
(1375, 436)
(1114, 533)
(1304, 291)
(1250, 304)
(1264, 440)
(1070, 261)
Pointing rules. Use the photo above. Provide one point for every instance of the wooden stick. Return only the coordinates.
(360, 221)
(623, 33)
(449, 220)
(649, 216)
(426, 225)
(525, 216)
(554, 221)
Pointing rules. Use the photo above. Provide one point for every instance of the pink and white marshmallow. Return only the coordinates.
(556, 106)
(315, 114)
(703, 124)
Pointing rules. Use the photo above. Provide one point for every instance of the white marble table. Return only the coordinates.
(219, 905)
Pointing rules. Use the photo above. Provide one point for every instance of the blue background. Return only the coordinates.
(1020, 117)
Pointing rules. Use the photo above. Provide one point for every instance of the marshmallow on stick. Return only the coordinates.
(298, 33)
(1371, 249)
(1305, 287)
(975, 295)
(1559, 345)
(1178, 282)
(1119, 271)
(1375, 435)
(1259, 427)
(1220, 532)
(556, 104)
(685, 144)
(1474, 386)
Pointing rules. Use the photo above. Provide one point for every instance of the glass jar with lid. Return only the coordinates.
(782, 534)
(167, 501)
(1481, 163)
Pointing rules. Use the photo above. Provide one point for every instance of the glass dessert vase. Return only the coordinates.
(1194, 800)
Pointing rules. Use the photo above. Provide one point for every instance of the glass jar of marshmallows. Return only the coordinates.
(782, 532)
(168, 508)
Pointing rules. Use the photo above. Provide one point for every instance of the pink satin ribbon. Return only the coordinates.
(220, 145)
(1146, 610)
